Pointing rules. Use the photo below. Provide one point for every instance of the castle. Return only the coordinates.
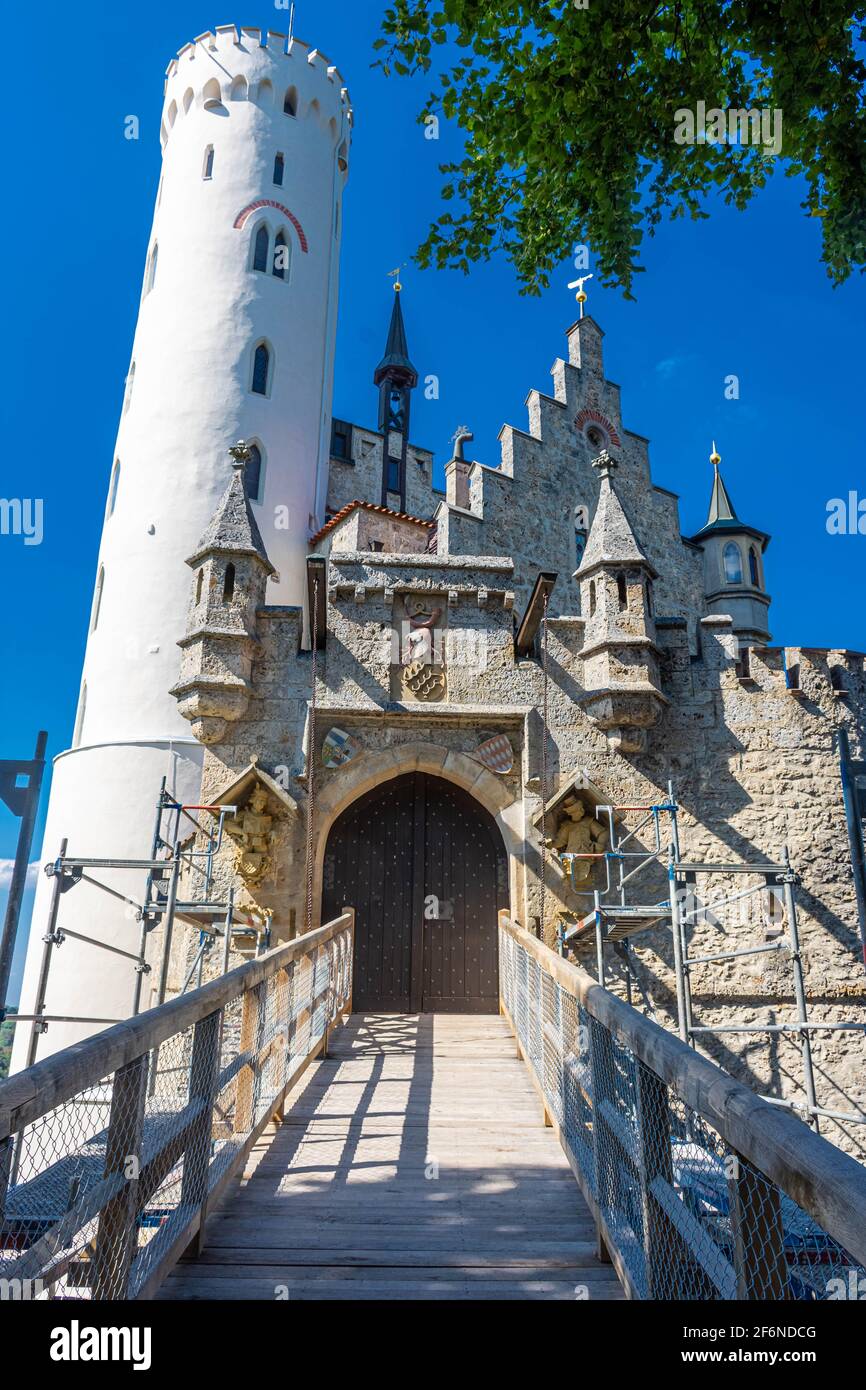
(418, 703)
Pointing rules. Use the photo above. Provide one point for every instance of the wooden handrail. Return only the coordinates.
(826, 1182)
(29, 1094)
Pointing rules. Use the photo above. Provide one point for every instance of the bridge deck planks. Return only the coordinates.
(342, 1202)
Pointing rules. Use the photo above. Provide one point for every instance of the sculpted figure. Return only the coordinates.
(579, 833)
(251, 829)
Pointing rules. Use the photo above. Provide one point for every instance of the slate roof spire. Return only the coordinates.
(396, 365)
(233, 528)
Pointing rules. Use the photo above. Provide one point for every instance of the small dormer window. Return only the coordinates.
(733, 562)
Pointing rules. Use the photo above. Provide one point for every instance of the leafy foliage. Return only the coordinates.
(568, 115)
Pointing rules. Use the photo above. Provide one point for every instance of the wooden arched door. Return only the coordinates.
(424, 866)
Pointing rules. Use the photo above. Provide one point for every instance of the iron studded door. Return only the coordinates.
(424, 866)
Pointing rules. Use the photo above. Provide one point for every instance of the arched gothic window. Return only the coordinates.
(733, 564)
(260, 252)
(279, 169)
(261, 369)
(753, 567)
(281, 256)
(253, 473)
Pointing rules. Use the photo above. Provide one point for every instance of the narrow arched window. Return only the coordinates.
(151, 268)
(592, 598)
(290, 104)
(260, 253)
(207, 169)
(79, 718)
(253, 473)
(649, 598)
(753, 567)
(198, 586)
(229, 583)
(261, 369)
(621, 592)
(279, 170)
(112, 490)
(281, 256)
(130, 380)
(733, 564)
(97, 598)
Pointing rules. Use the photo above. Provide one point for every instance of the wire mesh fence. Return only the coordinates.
(110, 1151)
(700, 1190)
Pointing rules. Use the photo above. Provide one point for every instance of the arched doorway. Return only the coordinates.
(424, 866)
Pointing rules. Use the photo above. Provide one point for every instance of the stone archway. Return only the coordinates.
(371, 769)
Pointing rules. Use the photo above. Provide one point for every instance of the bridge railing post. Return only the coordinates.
(117, 1230)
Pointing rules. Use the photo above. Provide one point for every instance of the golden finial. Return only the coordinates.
(395, 275)
(715, 458)
(581, 292)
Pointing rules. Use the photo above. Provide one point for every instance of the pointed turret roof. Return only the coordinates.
(722, 516)
(395, 365)
(233, 528)
(611, 540)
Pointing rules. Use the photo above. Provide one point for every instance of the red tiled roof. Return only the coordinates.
(370, 507)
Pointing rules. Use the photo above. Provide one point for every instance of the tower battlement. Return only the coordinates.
(263, 66)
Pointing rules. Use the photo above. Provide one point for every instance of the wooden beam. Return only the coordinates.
(317, 600)
(531, 620)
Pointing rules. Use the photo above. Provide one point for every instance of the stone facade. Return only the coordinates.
(643, 683)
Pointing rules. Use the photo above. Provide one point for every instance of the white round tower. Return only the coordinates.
(235, 339)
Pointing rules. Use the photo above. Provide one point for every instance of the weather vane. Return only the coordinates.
(395, 276)
(581, 292)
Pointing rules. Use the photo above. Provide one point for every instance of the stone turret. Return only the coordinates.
(231, 573)
(620, 657)
(733, 565)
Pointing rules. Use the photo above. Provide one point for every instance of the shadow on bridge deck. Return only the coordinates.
(413, 1164)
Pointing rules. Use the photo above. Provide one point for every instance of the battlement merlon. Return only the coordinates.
(228, 53)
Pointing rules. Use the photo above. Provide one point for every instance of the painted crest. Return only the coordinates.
(338, 748)
(496, 753)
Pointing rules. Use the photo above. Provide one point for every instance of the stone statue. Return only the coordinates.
(251, 829)
(578, 833)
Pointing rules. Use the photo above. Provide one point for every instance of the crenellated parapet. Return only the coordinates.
(264, 67)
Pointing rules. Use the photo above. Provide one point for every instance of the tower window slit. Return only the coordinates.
(207, 171)
(621, 592)
(279, 169)
(229, 584)
(260, 251)
(198, 586)
(261, 368)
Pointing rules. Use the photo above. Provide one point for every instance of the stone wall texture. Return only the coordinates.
(753, 763)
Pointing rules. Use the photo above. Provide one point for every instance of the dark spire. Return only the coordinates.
(395, 365)
(721, 506)
(722, 516)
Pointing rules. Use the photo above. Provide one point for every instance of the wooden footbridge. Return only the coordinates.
(256, 1139)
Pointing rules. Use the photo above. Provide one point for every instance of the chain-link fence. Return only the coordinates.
(110, 1151)
(699, 1189)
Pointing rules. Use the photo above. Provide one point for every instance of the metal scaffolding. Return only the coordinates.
(160, 905)
(614, 921)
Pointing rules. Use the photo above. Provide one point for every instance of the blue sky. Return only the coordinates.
(742, 293)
